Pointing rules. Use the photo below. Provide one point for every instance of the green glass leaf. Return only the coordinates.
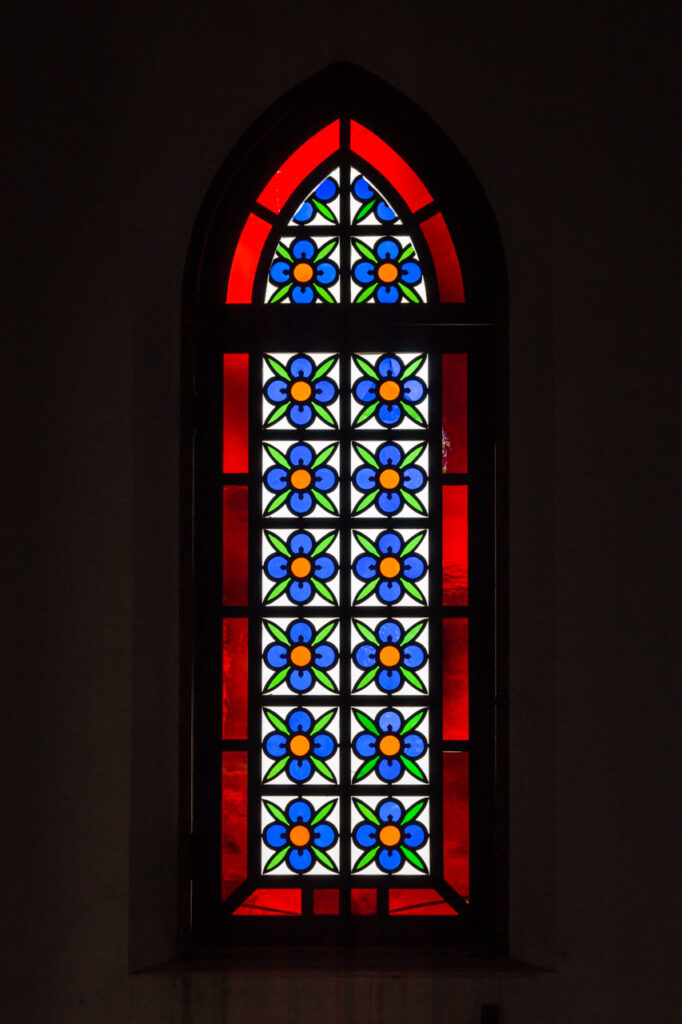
(412, 679)
(368, 589)
(323, 678)
(413, 632)
(323, 812)
(326, 250)
(366, 679)
(406, 253)
(414, 858)
(324, 369)
(324, 456)
(324, 633)
(366, 455)
(277, 768)
(365, 769)
(284, 253)
(412, 456)
(324, 414)
(278, 368)
(324, 210)
(413, 366)
(323, 590)
(413, 501)
(277, 456)
(276, 722)
(278, 679)
(364, 211)
(277, 414)
(365, 413)
(413, 413)
(366, 293)
(413, 591)
(323, 768)
(413, 812)
(324, 858)
(366, 812)
(408, 292)
(413, 721)
(369, 546)
(366, 367)
(366, 722)
(278, 544)
(364, 250)
(280, 294)
(324, 501)
(274, 631)
(276, 813)
(323, 721)
(413, 543)
(365, 502)
(278, 589)
(323, 292)
(366, 858)
(277, 502)
(276, 859)
(365, 632)
(323, 543)
(412, 768)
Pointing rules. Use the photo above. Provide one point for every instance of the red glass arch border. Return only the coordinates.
(302, 162)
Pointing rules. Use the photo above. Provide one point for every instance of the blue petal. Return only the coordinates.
(300, 632)
(300, 454)
(326, 272)
(303, 249)
(410, 272)
(276, 835)
(276, 478)
(390, 810)
(302, 295)
(324, 835)
(365, 745)
(277, 567)
(389, 502)
(389, 769)
(389, 366)
(326, 190)
(384, 212)
(362, 189)
(276, 655)
(325, 390)
(300, 680)
(389, 543)
(325, 655)
(300, 591)
(389, 632)
(390, 591)
(300, 415)
(275, 745)
(304, 213)
(390, 721)
(277, 390)
(389, 454)
(390, 413)
(365, 656)
(414, 655)
(386, 294)
(325, 567)
(389, 679)
(324, 745)
(363, 272)
(325, 478)
(300, 503)
(365, 478)
(299, 720)
(413, 390)
(414, 835)
(301, 543)
(387, 249)
(414, 745)
(390, 860)
(366, 567)
(413, 478)
(299, 860)
(366, 835)
(279, 271)
(299, 810)
(365, 390)
(300, 770)
(414, 567)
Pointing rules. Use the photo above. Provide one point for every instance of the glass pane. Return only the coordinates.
(304, 270)
(390, 391)
(455, 545)
(321, 206)
(233, 823)
(300, 746)
(271, 902)
(325, 901)
(363, 901)
(418, 902)
(235, 678)
(389, 746)
(235, 413)
(300, 391)
(235, 545)
(390, 655)
(300, 479)
(456, 821)
(390, 836)
(300, 836)
(455, 679)
(386, 269)
(390, 479)
(454, 385)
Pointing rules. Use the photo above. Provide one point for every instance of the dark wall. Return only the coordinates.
(118, 119)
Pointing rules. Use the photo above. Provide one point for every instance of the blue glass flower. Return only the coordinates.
(371, 202)
(389, 390)
(303, 273)
(300, 391)
(389, 479)
(389, 746)
(386, 271)
(299, 745)
(300, 835)
(301, 479)
(389, 567)
(300, 656)
(300, 567)
(389, 656)
(318, 202)
(390, 835)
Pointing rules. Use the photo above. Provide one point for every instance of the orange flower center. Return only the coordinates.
(299, 745)
(389, 656)
(299, 835)
(389, 390)
(303, 272)
(389, 835)
(300, 656)
(300, 479)
(300, 567)
(389, 567)
(301, 391)
(389, 479)
(389, 745)
(387, 272)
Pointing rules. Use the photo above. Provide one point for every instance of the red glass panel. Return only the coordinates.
(445, 259)
(245, 259)
(266, 902)
(456, 821)
(418, 902)
(454, 378)
(455, 679)
(455, 545)
(233, 823)
(235, 678)
(296, 167)
(373, 149)
(325, 901)
(235, 413)
(235, 544)
(363, 901)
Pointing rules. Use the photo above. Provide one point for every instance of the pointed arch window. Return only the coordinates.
(345, 615)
